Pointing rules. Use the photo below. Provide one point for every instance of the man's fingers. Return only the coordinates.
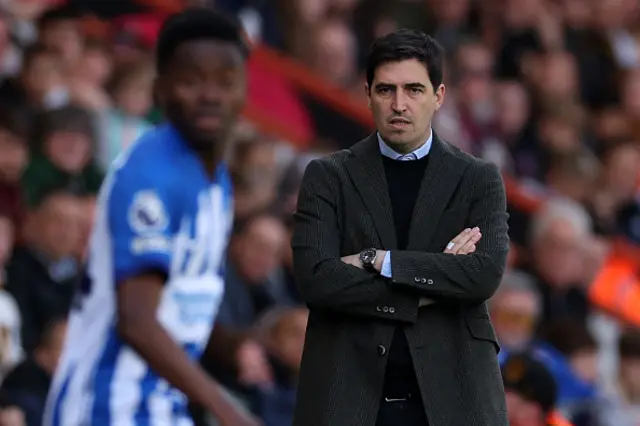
(468, 235)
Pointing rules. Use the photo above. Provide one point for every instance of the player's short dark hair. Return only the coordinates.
(404, 45)
(196, 24)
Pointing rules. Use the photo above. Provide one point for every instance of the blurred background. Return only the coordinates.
(549, 90)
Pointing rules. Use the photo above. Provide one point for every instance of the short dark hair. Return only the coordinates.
(195, 24)
(407, 44)
(58, 14)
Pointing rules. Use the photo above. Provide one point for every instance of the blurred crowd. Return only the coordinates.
(547, 89)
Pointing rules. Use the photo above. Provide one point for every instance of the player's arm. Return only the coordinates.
(324, 280)
(472, 277)
(142, 225)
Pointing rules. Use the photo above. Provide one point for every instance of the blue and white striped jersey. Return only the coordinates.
(157, 209)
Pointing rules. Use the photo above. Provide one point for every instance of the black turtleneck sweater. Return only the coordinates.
(403, 179)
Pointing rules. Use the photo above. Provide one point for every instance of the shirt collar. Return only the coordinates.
(415, 155)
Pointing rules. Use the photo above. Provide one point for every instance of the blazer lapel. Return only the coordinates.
(444, 171)
(367, 172)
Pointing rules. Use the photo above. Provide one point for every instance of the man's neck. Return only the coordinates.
(408, 147)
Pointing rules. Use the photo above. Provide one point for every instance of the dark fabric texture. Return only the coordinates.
(343, 207)
(403, 181)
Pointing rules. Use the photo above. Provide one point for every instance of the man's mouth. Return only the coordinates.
(399, 122)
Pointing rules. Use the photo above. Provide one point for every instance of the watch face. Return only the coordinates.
(368, 256)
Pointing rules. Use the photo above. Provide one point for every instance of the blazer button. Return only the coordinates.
(429, 281)
(378, 309)
(382, 350)
(424, 281)
(417, 279)
(385, 309)
(392, 310)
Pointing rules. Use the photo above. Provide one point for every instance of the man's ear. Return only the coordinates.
(439, 94)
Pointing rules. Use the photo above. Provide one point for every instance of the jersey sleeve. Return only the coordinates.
(142, 222)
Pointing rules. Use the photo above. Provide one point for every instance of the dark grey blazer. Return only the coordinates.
(344, 207)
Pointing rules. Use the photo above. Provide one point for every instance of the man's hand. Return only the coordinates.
(253, 366)
(353, 260)
(238, 417)
(12, 416)
(465, 242)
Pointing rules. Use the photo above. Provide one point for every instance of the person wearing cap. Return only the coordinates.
(531, 393)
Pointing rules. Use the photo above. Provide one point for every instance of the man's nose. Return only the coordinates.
(399, 104)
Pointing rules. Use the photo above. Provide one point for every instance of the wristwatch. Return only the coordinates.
(368, 258)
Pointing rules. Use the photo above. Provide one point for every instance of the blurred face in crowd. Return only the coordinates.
(576, 13)
(70, 151)
(334, 52)
(41, 75)
(612, 124)
(514, 314)
(558, 253)
(523, 412)
(288, 337)
(609, 14)
(512, 102)
(519, 14)
(475, 64)
(403, 102)
(55, 227)
(258, 250)
(630, 376)
(621, 172)
(14, 156)
(6, 240)
(134, 97)
(450, 12)
(203, 91)
(65, 38)
(558, 76)
(585, 364)
(48, 352)
(95, 66)
(631, 94)
(559, 135)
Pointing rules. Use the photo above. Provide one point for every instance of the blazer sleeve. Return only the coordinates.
(323, 279)
(474, 277)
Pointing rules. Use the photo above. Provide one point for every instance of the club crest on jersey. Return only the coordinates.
(147, 214)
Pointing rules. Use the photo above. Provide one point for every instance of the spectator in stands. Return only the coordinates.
(10, 321)
(531, 392)
(333, 53)
(42, 275)
(573, 175)
(616, 187)
(569, 351)
(515, 311)
(59, 30)
(64, 158)
(284, 332)
(255, 252)
(559, 234)
(255, 175)
(125, 121)
(40, 84)
(13, 160)
(621, 405)
(26, 387)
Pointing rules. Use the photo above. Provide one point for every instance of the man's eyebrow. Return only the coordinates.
(415, 85)
(411, 85)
